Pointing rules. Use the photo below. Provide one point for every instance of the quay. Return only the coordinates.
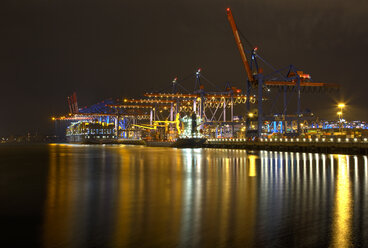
(357, 146)
(319, 145)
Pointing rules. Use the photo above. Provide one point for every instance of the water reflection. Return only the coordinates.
(343, 204)
(126, 196)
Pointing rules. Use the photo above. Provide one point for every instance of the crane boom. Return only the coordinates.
(239, 44)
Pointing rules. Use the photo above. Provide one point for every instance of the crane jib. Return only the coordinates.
(240, 45)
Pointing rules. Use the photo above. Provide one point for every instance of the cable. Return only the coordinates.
(208, 81)
(246, 40)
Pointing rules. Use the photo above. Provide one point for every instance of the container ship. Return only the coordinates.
(181, 133)
(83, 132)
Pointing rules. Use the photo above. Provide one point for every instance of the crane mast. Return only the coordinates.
(240, 45)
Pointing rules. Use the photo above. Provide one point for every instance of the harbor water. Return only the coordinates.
(62, 195)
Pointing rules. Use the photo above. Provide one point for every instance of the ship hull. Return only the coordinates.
(81, 139)
(179, 143)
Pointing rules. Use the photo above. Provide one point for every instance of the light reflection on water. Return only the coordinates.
(343, 205)
(122, 196)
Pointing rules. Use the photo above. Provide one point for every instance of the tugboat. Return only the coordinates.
(186, 135)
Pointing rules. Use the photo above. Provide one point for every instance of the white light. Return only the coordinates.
(355, 140)
(347, 139)
(297, 139)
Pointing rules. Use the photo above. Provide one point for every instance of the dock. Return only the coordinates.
(323, 145)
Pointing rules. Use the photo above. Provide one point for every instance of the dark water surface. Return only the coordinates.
(132, 196)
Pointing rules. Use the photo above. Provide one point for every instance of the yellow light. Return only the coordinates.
(343, 199)
(339, 113)
(252, 166)
(251, 115)
(341, 105)
(53, 118)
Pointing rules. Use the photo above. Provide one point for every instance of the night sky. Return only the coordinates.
(110, 48)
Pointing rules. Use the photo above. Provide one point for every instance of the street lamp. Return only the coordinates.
(339, 114)
(341, 106)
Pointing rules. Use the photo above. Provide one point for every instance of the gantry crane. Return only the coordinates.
(294, 79)
(251, 79)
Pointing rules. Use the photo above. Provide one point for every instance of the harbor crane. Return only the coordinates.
(288, 79)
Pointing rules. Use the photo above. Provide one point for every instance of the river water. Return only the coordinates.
(61, 195)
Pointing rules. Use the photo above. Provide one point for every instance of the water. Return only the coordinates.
(131, 196)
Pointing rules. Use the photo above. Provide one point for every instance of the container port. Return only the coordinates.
(266, 114)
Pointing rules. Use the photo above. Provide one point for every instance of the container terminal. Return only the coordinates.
(267, 114)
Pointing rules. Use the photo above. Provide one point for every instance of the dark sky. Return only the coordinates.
(111, 48)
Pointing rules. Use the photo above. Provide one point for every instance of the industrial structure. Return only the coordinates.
(285, 80)
(224, 112)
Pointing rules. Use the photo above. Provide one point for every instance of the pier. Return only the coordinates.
(324, 145)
